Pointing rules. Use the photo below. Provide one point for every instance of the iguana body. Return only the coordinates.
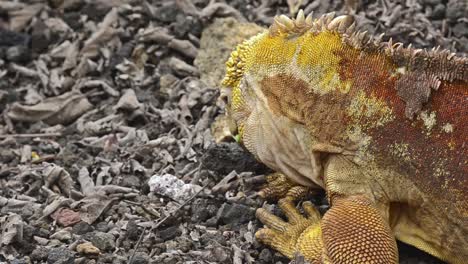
(382, 128)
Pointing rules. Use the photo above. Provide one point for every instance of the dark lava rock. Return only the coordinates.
(438, 12)
(95, 10)
(7, 155)
(169, 233)
(18, 54)
(82, 228)
(266, 256)
(40, 37)
(187, 24)
(60, 256)
(213, 238)
(131, 181)
(220, 254)
(10, 38)
(102, 226)
(103, 241)
(140, 258)
(39, 254)
(73, 20)
(460, 29)
(202, 210)
(226, 157)
(456, 9)
(132, 230)
(19, 261)
(167, 12)
(235, 214)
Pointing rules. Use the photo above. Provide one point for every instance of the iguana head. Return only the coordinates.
(267, 81)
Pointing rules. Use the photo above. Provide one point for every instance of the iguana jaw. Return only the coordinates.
(278, 141)
(282, 145)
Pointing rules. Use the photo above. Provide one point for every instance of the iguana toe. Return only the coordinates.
(284, 236)
(279, 186)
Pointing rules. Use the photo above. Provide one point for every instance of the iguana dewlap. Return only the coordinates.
(382, 128)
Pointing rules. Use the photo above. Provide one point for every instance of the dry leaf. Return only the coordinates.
(129, 101)
(19, 19)
(62, 109)
(10, 224)
(55, 175)
(105, 33)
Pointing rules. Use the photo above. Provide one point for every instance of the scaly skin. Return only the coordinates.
(380, 127)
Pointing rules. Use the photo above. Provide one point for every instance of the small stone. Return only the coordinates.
(73, 20)
(212, 222)
(171, 245)
(88, 249)
(220, 254)
(235, 214)
(7, 155)
(140, 258)
(103, 241)
(11, 38)
(102, 226)
(62, 235)
(40, 37)
(131, 181)
(266, 255)
(166, 13)
(66, 217)
(39, 254)
(82, 228)
(166, 83)
(41, 241)
(95, 10)
(460, 29)
(456, 9)
(169, 233)
(19, 261)
(184, 244)
(438, 12)
(106, 258)
(187, 24)
(60, 256)
(463, 48)
(202, 210)
(132, 230)
(18, 54)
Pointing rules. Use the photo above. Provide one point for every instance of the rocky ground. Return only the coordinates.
(106, 151)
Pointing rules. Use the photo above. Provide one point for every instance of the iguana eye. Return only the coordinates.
(225, 95)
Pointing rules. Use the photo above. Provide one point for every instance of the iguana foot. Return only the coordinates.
(352, 231)
(285, 237)
(279, 186)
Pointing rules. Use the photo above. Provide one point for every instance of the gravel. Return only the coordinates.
(96, 98)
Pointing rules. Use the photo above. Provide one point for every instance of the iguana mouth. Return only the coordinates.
(283, 145)
(225, 96)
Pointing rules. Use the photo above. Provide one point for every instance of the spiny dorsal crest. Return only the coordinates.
(301, 24)
(236, 63)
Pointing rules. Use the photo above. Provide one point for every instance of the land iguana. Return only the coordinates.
(382, 128)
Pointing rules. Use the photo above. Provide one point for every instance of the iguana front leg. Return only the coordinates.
(279, 186)
(352, 231)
